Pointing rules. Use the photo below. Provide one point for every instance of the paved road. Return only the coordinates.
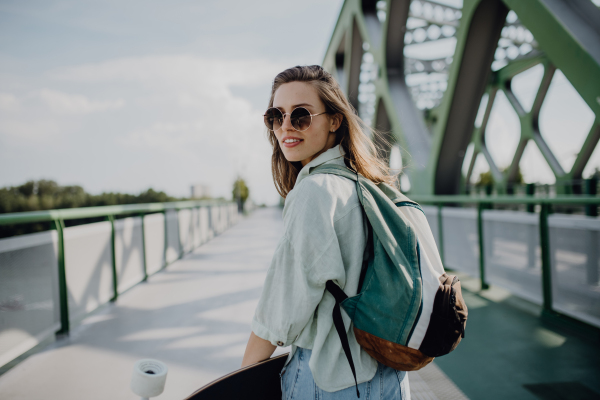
(194, 316)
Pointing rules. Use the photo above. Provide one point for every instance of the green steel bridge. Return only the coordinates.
(179, 281)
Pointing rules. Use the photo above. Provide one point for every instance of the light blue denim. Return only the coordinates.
(297, 383)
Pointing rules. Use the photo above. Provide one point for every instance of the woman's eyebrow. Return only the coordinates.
(294, 106)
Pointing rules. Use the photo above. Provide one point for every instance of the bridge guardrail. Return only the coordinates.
(110, 257)
(550, 236)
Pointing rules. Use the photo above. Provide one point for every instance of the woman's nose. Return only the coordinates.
(287, 123)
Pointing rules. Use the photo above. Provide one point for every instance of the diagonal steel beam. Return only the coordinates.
(482, 24)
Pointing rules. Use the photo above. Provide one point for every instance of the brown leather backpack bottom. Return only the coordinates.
(393, 355)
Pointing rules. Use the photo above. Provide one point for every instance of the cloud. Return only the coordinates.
(75, 103)
(189, 106)
(171, 136)
(28, 131)
(39, 116)
(183, 71)
(8, 101)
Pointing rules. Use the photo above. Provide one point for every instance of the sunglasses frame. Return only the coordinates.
(290, 114)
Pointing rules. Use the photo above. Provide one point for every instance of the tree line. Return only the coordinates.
(49, 195)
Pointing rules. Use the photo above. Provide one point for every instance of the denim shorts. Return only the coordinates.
(297, 383)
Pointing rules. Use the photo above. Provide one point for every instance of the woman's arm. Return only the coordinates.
(257, 349)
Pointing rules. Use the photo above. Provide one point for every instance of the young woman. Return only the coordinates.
(310, 123)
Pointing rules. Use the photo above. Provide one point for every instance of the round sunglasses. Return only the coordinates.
(300, 118)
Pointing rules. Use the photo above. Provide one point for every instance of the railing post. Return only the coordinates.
(545, 255)
(180, 251)
(111, 219)
(211, 233)
(440, 231)
(63, 294)
(530, 191)
(480, 208)
(142, 215)
(166, 239)
(591, 188)
(199, 241)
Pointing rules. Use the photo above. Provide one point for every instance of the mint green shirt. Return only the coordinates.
(325, 234)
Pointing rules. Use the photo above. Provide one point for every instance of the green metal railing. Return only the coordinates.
(589, 202)
(58, 218)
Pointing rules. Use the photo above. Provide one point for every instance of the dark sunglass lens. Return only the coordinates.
(301, 119)
(273, 119)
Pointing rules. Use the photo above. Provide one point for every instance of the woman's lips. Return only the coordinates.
(295, 143)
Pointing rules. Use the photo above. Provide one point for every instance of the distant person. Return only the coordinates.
(310, 123)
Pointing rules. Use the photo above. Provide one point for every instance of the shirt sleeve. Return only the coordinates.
(308, 255)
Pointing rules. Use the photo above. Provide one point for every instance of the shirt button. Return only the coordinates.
(280, 343)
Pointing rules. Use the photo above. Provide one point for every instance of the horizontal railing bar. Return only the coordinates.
(101, 211)
(462, 199)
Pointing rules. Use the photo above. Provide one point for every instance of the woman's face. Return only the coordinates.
(319, 137)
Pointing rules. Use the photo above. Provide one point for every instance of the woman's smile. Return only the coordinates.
(290, 141)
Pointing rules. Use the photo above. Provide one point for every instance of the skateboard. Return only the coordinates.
(256, 381)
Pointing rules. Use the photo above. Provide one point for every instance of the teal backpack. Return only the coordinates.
(407, 310)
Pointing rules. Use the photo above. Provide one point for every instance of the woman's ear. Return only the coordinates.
(335, 122)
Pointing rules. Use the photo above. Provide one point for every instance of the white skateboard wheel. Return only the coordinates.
(149, 377)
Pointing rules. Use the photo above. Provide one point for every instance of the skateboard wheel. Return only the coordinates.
(149, 377)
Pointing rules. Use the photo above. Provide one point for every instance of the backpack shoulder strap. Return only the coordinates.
(399, 199)
(334, 289)
(335, 169)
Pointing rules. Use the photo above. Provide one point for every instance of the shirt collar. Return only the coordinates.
(329, 155)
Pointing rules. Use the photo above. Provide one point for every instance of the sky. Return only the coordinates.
(123, 96)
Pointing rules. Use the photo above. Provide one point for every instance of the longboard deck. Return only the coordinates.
(256, 381)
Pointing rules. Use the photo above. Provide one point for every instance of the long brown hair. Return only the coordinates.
(361, 153)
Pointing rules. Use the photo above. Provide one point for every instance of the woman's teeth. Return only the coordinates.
(291, 140)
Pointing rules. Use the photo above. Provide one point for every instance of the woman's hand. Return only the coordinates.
(257, 350)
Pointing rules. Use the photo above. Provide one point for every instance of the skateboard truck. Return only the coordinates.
(149, 377)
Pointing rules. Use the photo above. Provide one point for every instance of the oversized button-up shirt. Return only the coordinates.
(325, 234)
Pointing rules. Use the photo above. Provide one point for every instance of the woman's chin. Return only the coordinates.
(293, 157)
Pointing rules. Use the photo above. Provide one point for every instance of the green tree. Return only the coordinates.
(240, 193)
(487, 179)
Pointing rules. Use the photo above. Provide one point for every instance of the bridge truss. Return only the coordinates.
(437, 110)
